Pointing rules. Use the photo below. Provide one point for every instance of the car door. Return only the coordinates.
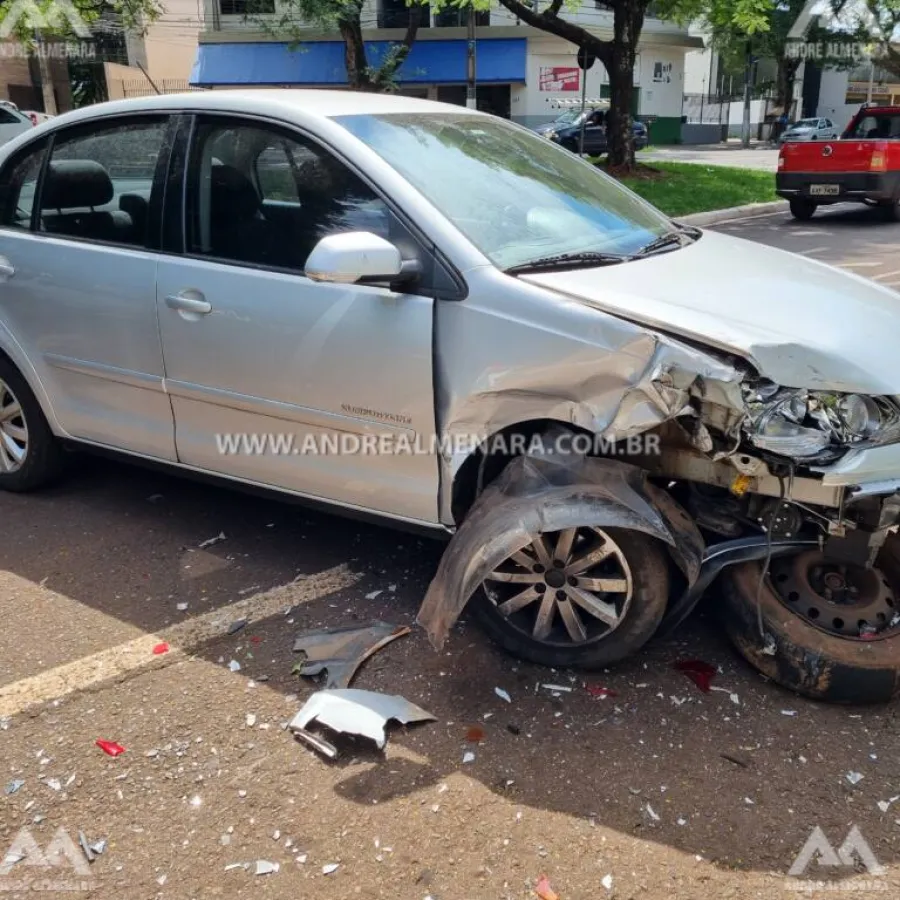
(595, 134)
(276, 379)
(78, 257)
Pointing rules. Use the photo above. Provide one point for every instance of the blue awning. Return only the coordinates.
(498, 61)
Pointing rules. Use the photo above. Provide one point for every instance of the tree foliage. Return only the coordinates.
(25, 20)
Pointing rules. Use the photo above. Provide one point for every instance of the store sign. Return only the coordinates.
(559, 78)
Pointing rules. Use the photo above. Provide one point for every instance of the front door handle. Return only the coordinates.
(188, 301)
(7, 269)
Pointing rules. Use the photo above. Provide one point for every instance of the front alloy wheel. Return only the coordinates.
(580, 597)
(13, 431)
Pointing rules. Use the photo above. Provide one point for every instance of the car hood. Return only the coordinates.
(549, 126)
(800, 322)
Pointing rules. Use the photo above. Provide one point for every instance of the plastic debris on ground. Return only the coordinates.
(110, 748)
(701, 673)
(329, 868)
(735, 699)
(160, 648)
(854, 777)
(468, 757)
(559, 688)
(234, 666)
(885, 805)
(91, 849)
(14, 787)
(601, 692)
(235, 627)
(789, 712)
(543, 889)
(607, 882)
(213, 540)
(652, 813)
(503, 695)
(264, 867)
(352, 711)
(341, 651)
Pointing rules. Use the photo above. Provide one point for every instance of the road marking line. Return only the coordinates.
(814, 250)
(881, 275)
(860, 265)
(182, 638)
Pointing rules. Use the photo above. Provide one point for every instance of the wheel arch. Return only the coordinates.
(11, 352)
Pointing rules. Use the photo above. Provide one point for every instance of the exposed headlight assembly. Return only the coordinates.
(808, 424)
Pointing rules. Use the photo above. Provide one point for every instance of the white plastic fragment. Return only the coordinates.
(557, 687)
(231, 866)
(234, 666)
(855, 777)
(53, 783)
(652, 813)
(328, 868)
(250, 720)
(681, 820)
(373, 594)
(181, 607)
(468, 757)
(13, 787)
(264, 867)
(789, 712)
(213, 540)
(352, 711)
(503, 695)
(607, 882)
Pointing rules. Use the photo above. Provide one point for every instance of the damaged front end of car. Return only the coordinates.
(731, 471)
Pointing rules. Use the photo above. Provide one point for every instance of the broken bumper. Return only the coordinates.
(866, 473)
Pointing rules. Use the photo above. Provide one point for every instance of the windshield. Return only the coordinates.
(807, 123)
(569, 117)
(516, 196)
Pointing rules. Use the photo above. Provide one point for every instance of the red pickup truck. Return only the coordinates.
(863, 166)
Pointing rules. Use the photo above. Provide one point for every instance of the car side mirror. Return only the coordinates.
(356, 257)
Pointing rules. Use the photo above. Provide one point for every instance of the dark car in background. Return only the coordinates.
(566, 130)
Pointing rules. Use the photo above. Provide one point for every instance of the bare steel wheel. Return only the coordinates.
(13, 430)
(29, 453)
(836, 629)
(580, 597)
(845, 600)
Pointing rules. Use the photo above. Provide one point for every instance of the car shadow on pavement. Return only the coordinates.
(739, 775)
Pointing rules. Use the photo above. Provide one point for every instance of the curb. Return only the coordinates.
(717, 216)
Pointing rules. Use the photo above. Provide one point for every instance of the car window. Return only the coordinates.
(99, 181)
(828, 123)
(883, 127)
(260, 196)
(9, 117)
(18, 186)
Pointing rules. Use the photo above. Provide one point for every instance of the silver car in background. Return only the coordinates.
(451, 324)
(819, 128)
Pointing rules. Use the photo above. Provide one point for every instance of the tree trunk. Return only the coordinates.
(784, 84)
(46, 78)
(627, 23)
(355, 53)
(386, 76)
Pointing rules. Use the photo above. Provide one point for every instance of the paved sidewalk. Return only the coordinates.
(757, 157)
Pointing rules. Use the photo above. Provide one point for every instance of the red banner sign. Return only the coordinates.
(559, 78)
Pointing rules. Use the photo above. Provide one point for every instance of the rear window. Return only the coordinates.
(878, 126)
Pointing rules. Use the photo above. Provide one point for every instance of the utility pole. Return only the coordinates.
(471, 101)
(871, 88)
(46, 75)
(748, 70)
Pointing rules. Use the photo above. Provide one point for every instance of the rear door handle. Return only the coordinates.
(7, 269)
(189, 301)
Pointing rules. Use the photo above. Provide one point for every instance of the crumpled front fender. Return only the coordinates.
(552, 492)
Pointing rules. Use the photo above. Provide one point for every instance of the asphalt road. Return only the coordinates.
(657, 792)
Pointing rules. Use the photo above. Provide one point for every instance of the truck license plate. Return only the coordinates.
(824, 190)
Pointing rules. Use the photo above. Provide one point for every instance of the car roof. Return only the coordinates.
(289, 103)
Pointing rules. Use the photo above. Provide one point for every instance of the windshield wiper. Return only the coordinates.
(587, 259)
(670, 239)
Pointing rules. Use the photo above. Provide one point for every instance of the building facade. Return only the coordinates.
(521, 73)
